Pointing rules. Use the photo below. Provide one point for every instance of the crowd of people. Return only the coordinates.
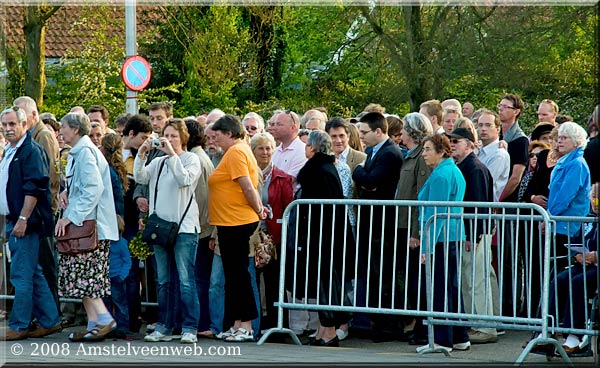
(226, 182)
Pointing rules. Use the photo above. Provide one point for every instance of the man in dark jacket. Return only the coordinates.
(476, 266)
(377, 178)
(26, 202)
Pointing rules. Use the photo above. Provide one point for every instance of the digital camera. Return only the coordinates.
(156, 143)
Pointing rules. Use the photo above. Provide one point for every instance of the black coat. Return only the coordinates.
(318, 179)
(29, 175)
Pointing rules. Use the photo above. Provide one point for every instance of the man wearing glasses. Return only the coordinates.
(509, 110)
(253, 123)
(377, 178)
(25, 200)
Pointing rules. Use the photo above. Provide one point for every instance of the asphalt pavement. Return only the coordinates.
(57, 350)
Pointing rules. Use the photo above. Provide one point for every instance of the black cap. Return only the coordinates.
(358, 117)
(541, 129)
(462, 133)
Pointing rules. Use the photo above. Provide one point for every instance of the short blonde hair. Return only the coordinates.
(260, 138)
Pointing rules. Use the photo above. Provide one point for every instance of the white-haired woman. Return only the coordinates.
(277, 193)
(569, 187)
(413, 175)
(89, 196)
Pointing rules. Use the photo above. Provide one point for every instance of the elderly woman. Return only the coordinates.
(413, 175)
(445, 183)
(319, 179)
(235, 208)
(89, 196)
(569, 186)
(176, 175)
(277, 193)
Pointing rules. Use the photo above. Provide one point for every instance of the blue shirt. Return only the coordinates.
(569, 188)
(120, 260)
(446, 183)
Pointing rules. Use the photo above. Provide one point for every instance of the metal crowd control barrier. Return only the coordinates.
(519, 230)
(575, 287)
(6, 295)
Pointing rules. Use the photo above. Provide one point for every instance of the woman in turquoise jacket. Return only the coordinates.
(445, 183)
(569, 187)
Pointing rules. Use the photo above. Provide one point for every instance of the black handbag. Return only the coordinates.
(158, 231)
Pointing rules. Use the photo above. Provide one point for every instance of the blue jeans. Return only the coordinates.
(32, 294)
(118, 299)
(216, 295)
(183, 259)
(204, 260)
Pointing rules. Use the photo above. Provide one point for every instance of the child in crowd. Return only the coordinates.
(120, 263)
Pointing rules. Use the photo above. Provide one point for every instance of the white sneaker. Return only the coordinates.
(189, 338)
(435, 346)
(157, 336)
(223, 334)
(341, 334)
(462, 346)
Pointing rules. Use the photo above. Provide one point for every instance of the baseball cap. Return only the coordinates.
(460, 133)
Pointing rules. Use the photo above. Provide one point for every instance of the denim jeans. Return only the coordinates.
(204, 260)
(183, 259)
(118, 299)
(216, 295)
(32, 294)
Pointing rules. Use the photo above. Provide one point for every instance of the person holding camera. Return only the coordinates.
(172, 180)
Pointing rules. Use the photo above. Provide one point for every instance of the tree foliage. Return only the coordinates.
(266, 57)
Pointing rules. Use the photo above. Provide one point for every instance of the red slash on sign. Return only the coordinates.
(136, 73)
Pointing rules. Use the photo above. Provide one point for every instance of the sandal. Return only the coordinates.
(99, 332)
(241, 335)
(77, 336)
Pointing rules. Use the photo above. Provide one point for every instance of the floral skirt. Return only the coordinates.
(86, 274)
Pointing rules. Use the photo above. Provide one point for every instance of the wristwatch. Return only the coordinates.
(23, 218)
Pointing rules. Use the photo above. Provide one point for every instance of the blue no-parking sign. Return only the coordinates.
(136, 73)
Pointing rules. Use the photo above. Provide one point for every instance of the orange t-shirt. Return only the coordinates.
(227, 204)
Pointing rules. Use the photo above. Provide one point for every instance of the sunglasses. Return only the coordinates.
(532, 155)
(252, 128)
(290, 113)
(455, 140)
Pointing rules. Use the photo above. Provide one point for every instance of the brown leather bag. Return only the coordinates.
(78, 239)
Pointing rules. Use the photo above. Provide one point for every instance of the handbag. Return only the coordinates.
(78, 239)
(264, 250)
(159, 231)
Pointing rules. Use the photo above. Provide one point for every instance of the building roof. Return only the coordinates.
(60, 33)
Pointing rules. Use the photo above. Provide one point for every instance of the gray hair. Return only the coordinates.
(314, 115)
(260, 138)
(77, 121)
(417, 126)
(27, 103)
(259, 120)
(320, 141)
(575, 131)
(214, 115)
(21, 115)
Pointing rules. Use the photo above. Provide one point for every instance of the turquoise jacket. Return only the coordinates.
(445, 183)
(569, 189)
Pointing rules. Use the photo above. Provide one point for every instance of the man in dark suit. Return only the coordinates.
(376, 179)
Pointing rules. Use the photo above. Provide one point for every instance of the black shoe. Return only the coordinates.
(333, 343)
(418, 340)
(382, 336)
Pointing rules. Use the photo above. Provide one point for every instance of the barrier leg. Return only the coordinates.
(279, 329)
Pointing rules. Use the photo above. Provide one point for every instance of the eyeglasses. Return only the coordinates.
(455, 140)
(562, 137)
(532, 155)
(503, 106)
(252, 128)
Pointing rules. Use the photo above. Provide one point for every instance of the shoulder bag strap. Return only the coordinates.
(162, 164)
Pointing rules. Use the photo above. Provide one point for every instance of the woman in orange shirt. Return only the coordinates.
(234, 206)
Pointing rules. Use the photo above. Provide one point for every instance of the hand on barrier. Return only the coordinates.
(414, 243)
(540, 200)
(467, 246)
